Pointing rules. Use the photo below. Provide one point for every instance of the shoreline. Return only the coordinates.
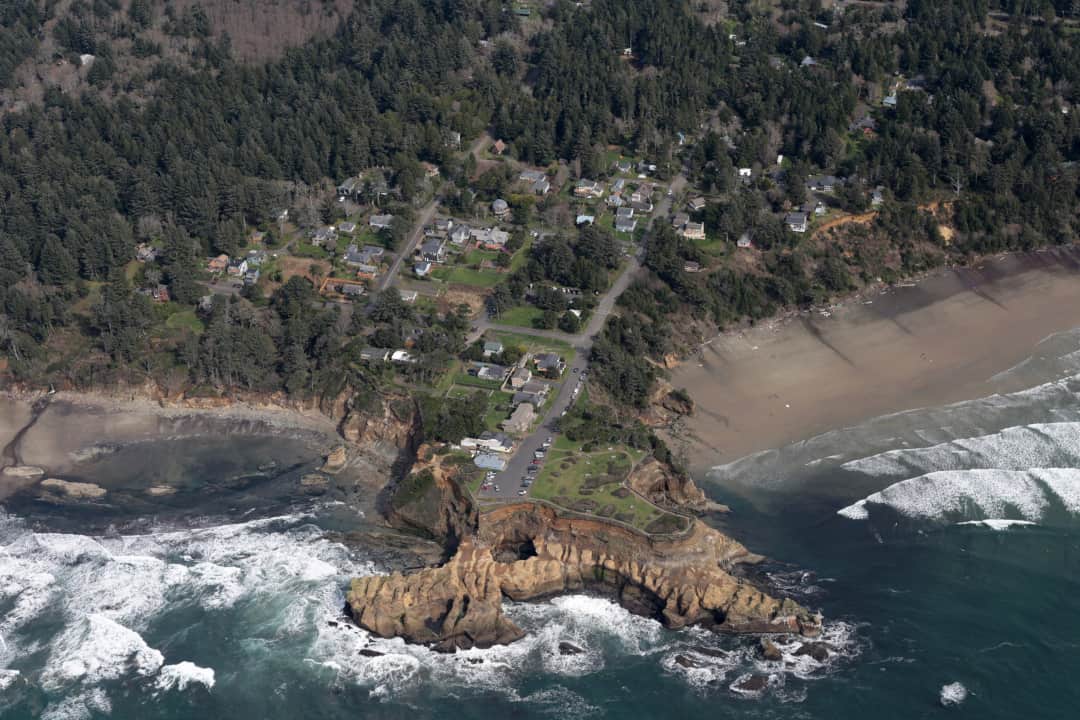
(927, 342)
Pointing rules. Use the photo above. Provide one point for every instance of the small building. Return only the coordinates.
(351, 290)
(409, 296)
(422, 269)
(808, 61)
(491, 373)
(823, 183)
(492, 347)
(625, 225)
(744, 241)
(255, 258)
(350, 189)
(520, 377)
(444, 225)
(160, 294)
(498, 147)
(490, 441)
(679, 220)
(251, 276)
(402, 356)
(796, 222)
(541, 187)
(625, 212)
(877, 197)
(521, 419)
(549, 364)
(460, 234)
(585, 220)
(218, 264)
(237, 267)
(694, 231)
(691, 267)
(367, 272)
(531, 176)
(889, 101)
(433, 250)
(615, 200)
(490, 461)
(588, 189)
(526, 397)
(381, 222)
(430, 170)
(501, 208)
(745, 173)
(145, 253)
(697, 204)
(324, 236)
(373, 354)
(490, 238)
(642, 206)
(346, 227)
(536, 387)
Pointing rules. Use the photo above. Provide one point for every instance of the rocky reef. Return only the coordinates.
(527, 551)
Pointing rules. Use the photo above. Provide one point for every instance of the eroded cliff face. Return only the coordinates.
(526, 552)
(431, 502)
(657, 482)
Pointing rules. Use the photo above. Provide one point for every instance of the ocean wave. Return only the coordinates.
(96, 649)
(184, 674)
(976, 495)
(953, 694)
(997, 524)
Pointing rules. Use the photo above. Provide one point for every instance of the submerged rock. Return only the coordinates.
(566, 648)
(370, 653)
(74, 490)
(752, 684)
(688, 662)
(817, 650)
(709, 652)
(769, 651)
(22, 472)
(160, 491)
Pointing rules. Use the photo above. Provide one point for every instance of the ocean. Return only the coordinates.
(942, 545)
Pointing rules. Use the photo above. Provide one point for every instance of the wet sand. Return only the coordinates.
(936, 341)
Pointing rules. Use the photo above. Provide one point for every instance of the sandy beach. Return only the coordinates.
(936, 341)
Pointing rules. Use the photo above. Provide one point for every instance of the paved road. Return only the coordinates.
(427, 214)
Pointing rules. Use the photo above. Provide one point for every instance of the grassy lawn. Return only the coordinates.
(185, 319)
(591, 482)
(522, 316)
(475, 257)
(472, 381)
(498, 409)
(536, 344)
(468, 276)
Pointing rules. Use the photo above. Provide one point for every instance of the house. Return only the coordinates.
(490, 238)
(679, 220)
(251, 276)
(531, 176)
(585, 220)
(422, 269)
(346, 227)
(381, 222)
(367, 272)
(218, 264)
(526, 397)
(588, 189)
(324, 237)
(409, 296)
(889, 101)
(625, 213)
(460, 234)
(624, 166)
(160, 294)
(282, 215)
(453, 139)
(823, 183)
(256, 258)
(145, 253)
(444, 225)
(519, 378)
(549, 364)
(492, 347)
(615, 200)
(796, 222)
(430, 170)
(625, 225)
(353, 256)
(351, 290)
(500, 208)
(490, 441)
(691, 267)
(820, 209)
(541, 187)
(536, 387)
(402, 356)
(877, 197)
(865, 124)
(744, 241)
(694, 231)
(643, 206)
(498, 148)
(490, 461)
(643, 193)
(433, 250)
(745, 173)
(808, 61)
(237, 267)
(351, 188)
(491, 373)
(371, 354)
(644, 168)
(697, 204)
(521, 419)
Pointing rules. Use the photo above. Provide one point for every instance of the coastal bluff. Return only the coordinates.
(526, 551)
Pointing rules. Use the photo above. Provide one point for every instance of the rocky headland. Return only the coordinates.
(526, 551)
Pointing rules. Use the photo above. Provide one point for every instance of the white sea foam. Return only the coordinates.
(976, 495)
(97, 649)
(81, 706)
(997, 523)
(953, 694)
(8, 678)
(183, 674)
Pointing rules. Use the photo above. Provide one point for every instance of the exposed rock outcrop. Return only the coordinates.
(429, 501)
(657, 482)
(527, 552)
(73, 490)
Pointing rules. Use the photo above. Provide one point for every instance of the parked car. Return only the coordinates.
(523, 491)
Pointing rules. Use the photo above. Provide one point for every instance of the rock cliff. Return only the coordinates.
(430, 502)
(526, 552)
(657, 482)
